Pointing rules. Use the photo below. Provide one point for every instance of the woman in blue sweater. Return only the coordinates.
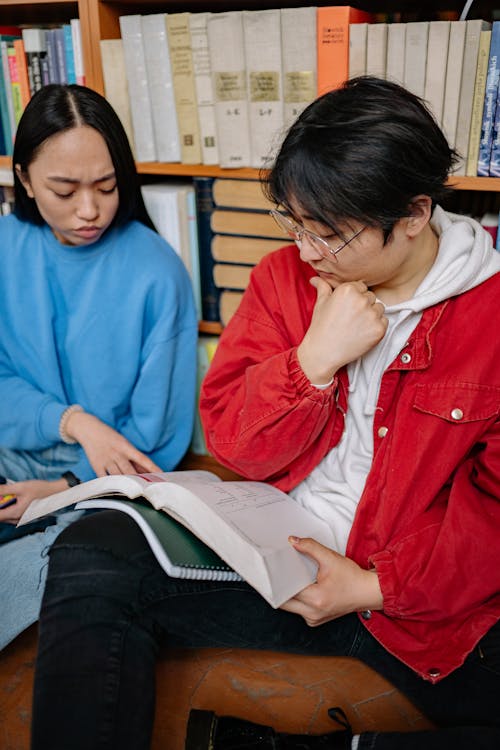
(98, 340)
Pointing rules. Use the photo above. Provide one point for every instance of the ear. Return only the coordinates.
(24, 179)
(420, 211)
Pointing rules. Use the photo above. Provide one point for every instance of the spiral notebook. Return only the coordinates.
(180, 553)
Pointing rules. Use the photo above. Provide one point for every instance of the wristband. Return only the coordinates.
(64, 420)
(71, 478)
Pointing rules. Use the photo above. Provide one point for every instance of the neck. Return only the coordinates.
(422, 252)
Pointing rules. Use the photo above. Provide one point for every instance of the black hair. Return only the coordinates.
(362, 152)
(56, 108)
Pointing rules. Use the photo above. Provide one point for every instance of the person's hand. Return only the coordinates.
(25, 492)
(346, 323)
(108, 452)
(341, 587)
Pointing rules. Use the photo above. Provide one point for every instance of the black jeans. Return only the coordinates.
(108, 607)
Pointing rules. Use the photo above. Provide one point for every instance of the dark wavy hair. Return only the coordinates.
(362, 152)
(56, 108)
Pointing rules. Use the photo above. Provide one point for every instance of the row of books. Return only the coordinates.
(222, 88)
(30, 59)
(455, 67)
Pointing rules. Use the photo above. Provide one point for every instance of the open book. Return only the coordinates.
(246, 523)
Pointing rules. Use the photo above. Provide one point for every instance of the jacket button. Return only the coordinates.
(434, 672)
(382, 431)
(457, 414)
(366, 614)
(405, 358)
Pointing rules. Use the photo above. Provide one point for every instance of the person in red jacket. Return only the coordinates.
(360, 375)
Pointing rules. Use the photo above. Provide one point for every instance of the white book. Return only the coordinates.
(181, 57)
(76, 38)
(248, 524)
(471, 52)
(204, 87)
(358, 34)
(171, 206)
(298, 58)
(478, 104)
(137, 80)
(376, 49)
(435, 72)
(262, 40)
(227, 62)
(161, 89)
(453, 80)
(396, 43)
(417, 33)
(115, 83)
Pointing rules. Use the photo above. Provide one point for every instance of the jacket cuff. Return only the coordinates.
(389, 583)
(304, 386)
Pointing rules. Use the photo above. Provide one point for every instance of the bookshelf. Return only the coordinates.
(99, 20)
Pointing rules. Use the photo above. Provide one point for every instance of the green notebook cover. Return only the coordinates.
(180, 553)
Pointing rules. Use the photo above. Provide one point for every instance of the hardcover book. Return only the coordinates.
(246, 523)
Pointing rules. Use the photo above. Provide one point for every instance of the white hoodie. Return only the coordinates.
(465, 259)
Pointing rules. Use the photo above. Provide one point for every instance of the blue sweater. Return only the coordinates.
(110, 326)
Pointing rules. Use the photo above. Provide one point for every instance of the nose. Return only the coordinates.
(307, 250)
(87, 207)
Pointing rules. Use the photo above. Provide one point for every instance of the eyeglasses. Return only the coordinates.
(297, 233)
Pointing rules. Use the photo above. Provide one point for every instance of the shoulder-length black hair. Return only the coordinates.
(56, 108)
(362, 152)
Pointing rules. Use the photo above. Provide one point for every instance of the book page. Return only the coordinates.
(130, 485)
(258, 512)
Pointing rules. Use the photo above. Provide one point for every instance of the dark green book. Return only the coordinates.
(180, 553)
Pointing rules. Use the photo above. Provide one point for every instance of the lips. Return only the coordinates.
(88, 232)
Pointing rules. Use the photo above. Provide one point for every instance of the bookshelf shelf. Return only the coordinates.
(484, 184)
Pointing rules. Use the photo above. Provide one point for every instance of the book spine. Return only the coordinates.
(62, 71)
(298, 53)
(262, 40)
(204, 88)
(227, 62)
(396, 43)
(376, 49)
(417, 34)
(471, 51)
(453, 80)
(22, 72)
(115, 83)
(181, 57)
(6, 102)
(76, 38)
(437, 57)
(69, 54)
(160, 84)
(194, 252)
(203, 187)
(333, 44)
(52, 56)
(490, 100)
(358, 35)
(140, 102)
(15, 86)
(477, 103)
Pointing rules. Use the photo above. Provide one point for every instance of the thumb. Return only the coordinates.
(323, 289)
(313, 549)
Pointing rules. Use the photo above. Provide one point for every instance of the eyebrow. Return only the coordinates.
(57, 178)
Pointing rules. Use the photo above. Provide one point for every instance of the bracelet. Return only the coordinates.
(63, 421)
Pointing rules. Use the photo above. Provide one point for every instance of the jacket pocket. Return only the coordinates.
(458, 403)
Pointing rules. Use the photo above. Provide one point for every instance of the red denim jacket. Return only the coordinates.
(429, 516)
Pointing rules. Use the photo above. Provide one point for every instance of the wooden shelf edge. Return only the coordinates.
(205, 326)
(486, 184)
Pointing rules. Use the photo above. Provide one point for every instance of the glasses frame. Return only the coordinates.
(300, 232)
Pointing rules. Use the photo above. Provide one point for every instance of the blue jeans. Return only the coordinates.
(23, 550)
(109, 607)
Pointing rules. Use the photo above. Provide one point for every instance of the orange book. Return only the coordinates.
(22, 72)
(333, 43)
